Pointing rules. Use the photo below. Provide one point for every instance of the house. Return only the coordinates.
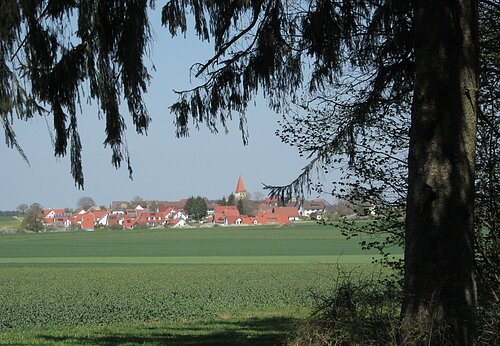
(129, 223)
(291, 212)
(272, 219)
(113, 220)
(316, 206)
(225, 214)
(88, 222)
(150, 218)
(246, 220)
(179, 214)
(175, 223)
(131, 212)
(75, 220)
(51, 216)
(211, 208)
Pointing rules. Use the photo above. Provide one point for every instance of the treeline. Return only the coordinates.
(9, 213)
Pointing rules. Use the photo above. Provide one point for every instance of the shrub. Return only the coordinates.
(359, 311)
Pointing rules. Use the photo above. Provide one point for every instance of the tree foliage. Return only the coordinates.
(54, 54)
(32, 218)
(85, 203)
(196, 207)
(231, 200)
(22, 208)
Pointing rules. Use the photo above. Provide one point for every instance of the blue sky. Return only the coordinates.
(165, 168)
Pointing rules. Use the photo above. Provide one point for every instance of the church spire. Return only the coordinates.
(240, 189)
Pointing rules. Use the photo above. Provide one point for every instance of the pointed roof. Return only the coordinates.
(240, 187)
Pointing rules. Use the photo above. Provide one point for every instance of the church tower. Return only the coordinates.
(240, 189)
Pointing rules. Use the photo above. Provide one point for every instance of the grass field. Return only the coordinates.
(209, 286)
(8, 221)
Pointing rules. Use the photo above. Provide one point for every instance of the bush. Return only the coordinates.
(360, 311)
(366, 311)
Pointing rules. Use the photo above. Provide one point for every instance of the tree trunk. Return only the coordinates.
(439, 274)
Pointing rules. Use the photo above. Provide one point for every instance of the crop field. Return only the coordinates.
(8, 221)
(194, 284)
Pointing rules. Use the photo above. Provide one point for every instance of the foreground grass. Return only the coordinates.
(50, 295)
(261, 329)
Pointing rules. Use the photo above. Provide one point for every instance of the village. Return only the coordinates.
(176, 214)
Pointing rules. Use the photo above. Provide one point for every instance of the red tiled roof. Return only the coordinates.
(48, 220)
(231, 220)
(247, 220)
(60, 211)
(174, 222)
(288, 211)
(129, 223)
(232, 213)
(165, 209)
(98, 214)
(240, 187)
(224, 208)
(88, 221)
(218, 218)
(271, 218)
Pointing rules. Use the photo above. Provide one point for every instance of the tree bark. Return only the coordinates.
(439, 270)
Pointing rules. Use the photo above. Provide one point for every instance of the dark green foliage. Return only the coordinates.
(222, 201)
(245, 206)
(240, 207)
(196, 207)
(265, 45)
(45, 68)
(231, 200)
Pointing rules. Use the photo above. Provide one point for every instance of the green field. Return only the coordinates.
(8, 221)
(219, 285)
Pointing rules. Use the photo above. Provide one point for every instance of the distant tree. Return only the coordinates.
(22, 208)
(32, 218)
(152, 205)
(137, 199)
(196, 207)
(201, 207)
(231, 200)
(8, 212)
(85, 203)
(245, 206)
(36, 206)
(102, 207)
(189, 206)
(258, 196)
(222, 201)
(240, 207)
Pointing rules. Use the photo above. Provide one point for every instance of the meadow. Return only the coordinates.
(244, 285)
